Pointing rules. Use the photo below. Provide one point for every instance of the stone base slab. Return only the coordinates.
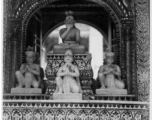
(26, 90)
(67, 96)
(111, 91)
(63, 52)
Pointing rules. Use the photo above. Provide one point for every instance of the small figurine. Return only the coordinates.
(70, 37)
(108, 72)
(26, 76)
(67, 79)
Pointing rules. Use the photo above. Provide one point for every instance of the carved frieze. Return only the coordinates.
(143, 49)
(93, 110)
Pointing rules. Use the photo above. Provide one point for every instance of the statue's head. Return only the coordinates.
(109, 57)
(68, 56)
(30, 55)
(69, 18)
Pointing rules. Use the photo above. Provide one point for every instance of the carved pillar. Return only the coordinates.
(143, 48)
(134, 63)
(123, 52)
(126, 53)
(128, 58)
(6, 57)
(109, 34)
(14, 52)
(6, 62)
(13, 55)
(128, 65)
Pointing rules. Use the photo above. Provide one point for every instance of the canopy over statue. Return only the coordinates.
(70, 37)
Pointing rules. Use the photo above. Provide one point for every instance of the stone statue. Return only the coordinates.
(29, 73)
(70, 37)
(108, 72)
(67, 79)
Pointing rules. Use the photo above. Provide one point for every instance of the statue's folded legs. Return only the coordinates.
(26, 80)
(110, 82)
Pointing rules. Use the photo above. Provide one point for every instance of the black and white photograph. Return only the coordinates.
(76, 60)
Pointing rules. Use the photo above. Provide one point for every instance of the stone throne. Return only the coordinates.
(83, 61)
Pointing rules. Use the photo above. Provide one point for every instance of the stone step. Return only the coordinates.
(26, 90)
(67, 96)
(112, 91)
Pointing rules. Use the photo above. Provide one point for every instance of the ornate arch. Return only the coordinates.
(28, 11)
(28, 8)
(116, 5)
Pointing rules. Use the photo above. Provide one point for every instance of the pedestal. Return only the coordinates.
(67, 96)
(26, 90)
(111, 91)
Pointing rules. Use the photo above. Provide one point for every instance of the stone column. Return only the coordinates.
(126, 53)
(13, 55)
(122, 54)
(14, 52)
(10, 42)
(6, 61)
(128, 58)
(109, 34)
(143, 48)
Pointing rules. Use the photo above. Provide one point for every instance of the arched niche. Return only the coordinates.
(92, 38)
(99, 15)
(114, 9)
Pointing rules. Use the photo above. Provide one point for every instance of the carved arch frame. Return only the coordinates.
(32, 6)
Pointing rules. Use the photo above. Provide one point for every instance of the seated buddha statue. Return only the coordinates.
(70, 37)
(109, 74)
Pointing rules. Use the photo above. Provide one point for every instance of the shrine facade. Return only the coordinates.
(124, 25)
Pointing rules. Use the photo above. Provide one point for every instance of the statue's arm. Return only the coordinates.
(101, 70)
(36, 71)
(60, 72)
(64, 32)
(75, 73)
(118, 71)
(22, 68)
(78, 36)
